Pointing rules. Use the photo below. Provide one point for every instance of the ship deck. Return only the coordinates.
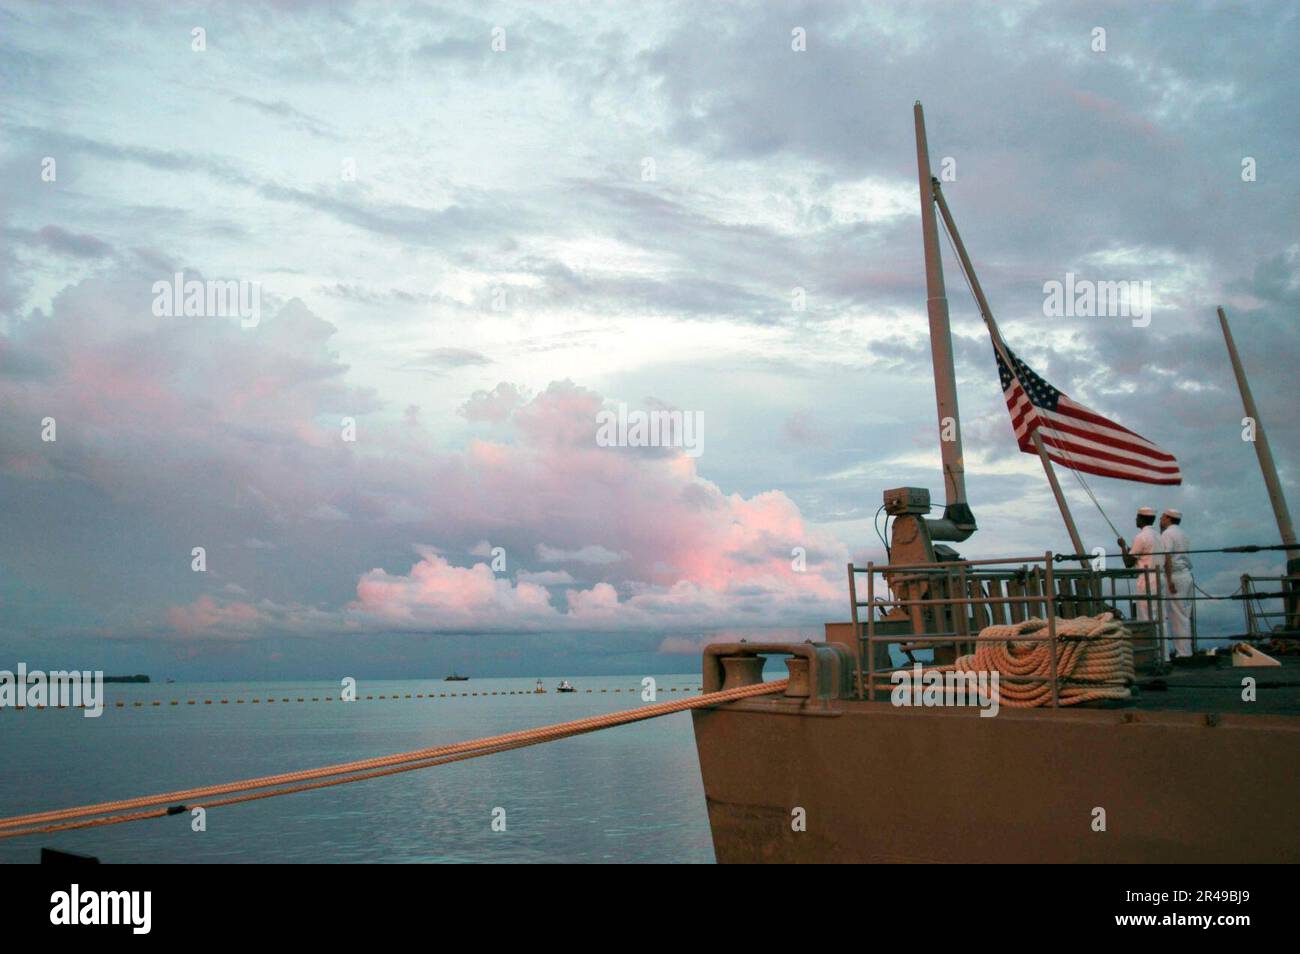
(1200, 688)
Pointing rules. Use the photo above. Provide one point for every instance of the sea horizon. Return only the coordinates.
(630, 794)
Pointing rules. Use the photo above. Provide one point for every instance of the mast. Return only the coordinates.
(987, 314)
(1265, 454)
(958, 522)
(1262, 450)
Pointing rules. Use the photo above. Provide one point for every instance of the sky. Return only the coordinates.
(471, 228)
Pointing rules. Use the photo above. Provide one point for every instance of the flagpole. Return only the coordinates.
(1060, 497)
(987, 314)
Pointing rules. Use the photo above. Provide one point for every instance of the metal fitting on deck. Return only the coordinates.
(740, 671)
(817, 670)
(798, 668)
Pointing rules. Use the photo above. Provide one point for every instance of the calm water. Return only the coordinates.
(629, 794)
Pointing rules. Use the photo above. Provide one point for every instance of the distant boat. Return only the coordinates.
(539, 687)
(565, 686)
(456, 678)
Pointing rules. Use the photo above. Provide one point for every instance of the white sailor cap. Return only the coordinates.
(1146, 512)
(1175, 514)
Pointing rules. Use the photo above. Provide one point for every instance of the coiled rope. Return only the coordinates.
(1094, 660)
(286, 783)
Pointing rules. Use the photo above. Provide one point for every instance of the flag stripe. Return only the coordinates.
(1076, 464)
(1099, 443)
(1075, 451)
(1075, 436)
(1116, 444)
(1070, 409)
(1079, 449)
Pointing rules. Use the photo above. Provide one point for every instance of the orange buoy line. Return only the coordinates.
(141, 703)
(87, 816)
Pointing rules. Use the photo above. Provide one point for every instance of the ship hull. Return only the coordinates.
(883, 784)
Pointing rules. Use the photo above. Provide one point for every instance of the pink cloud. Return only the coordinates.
(217, 435)
(496, 405)
(674, 550)
(654, 545)
(435, 593)
(207, 617)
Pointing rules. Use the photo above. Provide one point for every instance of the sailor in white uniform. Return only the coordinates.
(1144, 556)
(1178, 574)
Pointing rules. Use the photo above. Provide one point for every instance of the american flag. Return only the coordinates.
(1076, 437)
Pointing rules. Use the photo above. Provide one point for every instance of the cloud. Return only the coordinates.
(493, 406)
(592, 553)
(435, 594)
(522, 261)
(545, 577)
(282, 110)
(680, 564)
(202, 432)
(447, 359)
(207, 617)
(800, 428)
(76, 244)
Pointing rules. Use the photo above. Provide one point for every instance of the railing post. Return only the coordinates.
(964, 628)
(1051, 626)
(871, 631)
(857, 635)
(1191, 613)
(1160, 615)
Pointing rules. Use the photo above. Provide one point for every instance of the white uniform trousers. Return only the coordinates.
(1143, 606)
(1178, 614)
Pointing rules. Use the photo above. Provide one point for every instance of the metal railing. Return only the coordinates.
(1258, 619)
(943, 606)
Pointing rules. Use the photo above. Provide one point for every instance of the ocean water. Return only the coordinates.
(627, 794)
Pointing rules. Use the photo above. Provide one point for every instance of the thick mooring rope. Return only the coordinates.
(1094, 660)
(288, 783)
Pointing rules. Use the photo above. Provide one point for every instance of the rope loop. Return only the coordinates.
(1094, 661)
